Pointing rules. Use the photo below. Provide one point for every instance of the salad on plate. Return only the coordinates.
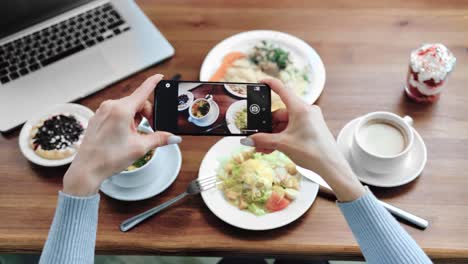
(264, 60)
(259, 183)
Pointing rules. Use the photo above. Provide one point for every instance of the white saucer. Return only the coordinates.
(213, 116)
(408, 172)
(166, 166)
(82, 113)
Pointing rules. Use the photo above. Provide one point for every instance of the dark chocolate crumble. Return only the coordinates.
(58, 132)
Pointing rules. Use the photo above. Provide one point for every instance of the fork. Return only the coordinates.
(195, 187)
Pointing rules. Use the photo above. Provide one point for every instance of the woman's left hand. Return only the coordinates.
(112, 142)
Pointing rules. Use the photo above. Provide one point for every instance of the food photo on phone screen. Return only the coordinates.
(207, 108)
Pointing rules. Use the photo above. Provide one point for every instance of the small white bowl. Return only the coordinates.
(82, 113)
(137, 177)
(165, 167)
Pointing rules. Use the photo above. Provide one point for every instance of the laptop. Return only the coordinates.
(57, 51)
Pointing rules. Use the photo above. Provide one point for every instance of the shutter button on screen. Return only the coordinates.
(254, 109)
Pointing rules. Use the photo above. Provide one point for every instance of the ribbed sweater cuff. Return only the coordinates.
(380, 236)
(72, 236)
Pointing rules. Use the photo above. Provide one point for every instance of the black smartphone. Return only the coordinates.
(212, 108)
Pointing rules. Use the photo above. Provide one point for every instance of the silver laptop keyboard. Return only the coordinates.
(32, 52)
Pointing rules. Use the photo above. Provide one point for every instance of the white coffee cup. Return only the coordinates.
(135, 178)
(193, 118)
(376, 145)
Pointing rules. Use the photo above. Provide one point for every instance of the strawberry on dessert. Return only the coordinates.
(429, 67)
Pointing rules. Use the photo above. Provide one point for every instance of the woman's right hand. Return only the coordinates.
(305, 138)
(112, 141)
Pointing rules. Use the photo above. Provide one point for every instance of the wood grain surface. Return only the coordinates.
(365, 47)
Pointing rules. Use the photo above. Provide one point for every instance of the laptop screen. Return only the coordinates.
(19, 14)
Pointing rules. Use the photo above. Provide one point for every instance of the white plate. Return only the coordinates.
(213, 116)
(188, 103)
(408, 172)
(166, 166)
(229, 89)
(302, 54)
(82, 113)
(230, 214)
(231, 114)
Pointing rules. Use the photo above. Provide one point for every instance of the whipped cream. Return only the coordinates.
(425, 89)
(432, 61)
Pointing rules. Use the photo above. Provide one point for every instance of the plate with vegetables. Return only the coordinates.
(255, 191)
(236, 117)
(255, 55)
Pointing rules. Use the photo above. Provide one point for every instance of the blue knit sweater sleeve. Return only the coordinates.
(381, 239)
(72, 236)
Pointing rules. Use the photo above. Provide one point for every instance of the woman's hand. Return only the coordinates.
(112, 143)
(306, 139)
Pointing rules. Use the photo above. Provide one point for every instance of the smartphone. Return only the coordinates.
(212, 108)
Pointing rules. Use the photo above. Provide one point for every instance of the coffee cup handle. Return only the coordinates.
(408, 120)
(209, 98)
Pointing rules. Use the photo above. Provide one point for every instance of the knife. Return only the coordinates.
(399, 213)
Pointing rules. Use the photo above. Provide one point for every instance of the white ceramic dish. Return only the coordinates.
(230, 214)
(82, 113)
(211, 118)
(378, 163)
(229, 89)
(406, 173)
(138, 177)
(166, 167)
(302, 54)
(188, 103)
(231, 114)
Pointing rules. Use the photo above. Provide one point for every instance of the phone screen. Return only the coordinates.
(208, 108)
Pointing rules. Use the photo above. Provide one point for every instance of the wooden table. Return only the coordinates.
(365, 46)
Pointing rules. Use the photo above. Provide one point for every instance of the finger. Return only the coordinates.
(159, 138)
(290, 99)
(263, 141)
(280, 116)
(147, 111)
(264, 151)
(141, 94)
(279, 127)
(137, 120)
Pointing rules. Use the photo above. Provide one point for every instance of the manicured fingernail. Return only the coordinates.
(174, 140)
(158, 75)
(247, 142)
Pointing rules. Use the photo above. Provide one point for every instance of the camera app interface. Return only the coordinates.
(213, 108)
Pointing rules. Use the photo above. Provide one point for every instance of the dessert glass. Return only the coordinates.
(429, 68)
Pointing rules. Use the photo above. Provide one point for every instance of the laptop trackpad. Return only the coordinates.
(85, 73)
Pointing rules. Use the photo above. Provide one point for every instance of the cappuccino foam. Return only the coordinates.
(381, 138)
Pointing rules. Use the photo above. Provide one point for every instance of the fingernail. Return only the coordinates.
(247, 142)
(158, 75)
(174, 140)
